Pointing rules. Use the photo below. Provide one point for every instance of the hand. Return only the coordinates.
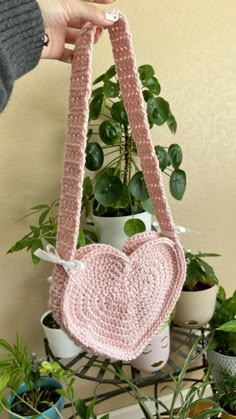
(64, 18)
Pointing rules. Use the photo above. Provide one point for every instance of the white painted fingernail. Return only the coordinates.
(112, 15)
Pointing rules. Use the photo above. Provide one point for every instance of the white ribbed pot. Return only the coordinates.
(111, 229)
(156, 354)
(219, 362)
(195, 308)
(60, 344)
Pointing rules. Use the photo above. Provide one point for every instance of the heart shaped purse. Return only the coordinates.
(112, 301)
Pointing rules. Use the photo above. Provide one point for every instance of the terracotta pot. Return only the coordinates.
(195, 308)
(156, 353)
(111, 229)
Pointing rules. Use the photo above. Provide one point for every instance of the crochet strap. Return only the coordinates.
(80, 92)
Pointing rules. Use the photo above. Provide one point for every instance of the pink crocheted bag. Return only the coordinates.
(107, 300)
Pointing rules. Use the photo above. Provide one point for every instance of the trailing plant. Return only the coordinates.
(199, 274)
(223, 324)
(118, 188)
(225, 391)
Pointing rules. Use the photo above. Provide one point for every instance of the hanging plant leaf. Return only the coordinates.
(153, 85)
(94, 156)
(137, 187)
(118, 113)
(99, 79)
(162, 156)
(111, 72)
(98, 91)
(111, 89)
(134, 226)
(108, 190)
(147, 95)
(145, 72)
(97, 106)
(175, 155)
(158, 110)
(148, 206)
(172, 124)
(177, 184)
(110, 132)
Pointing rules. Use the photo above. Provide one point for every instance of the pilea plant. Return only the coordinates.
(199, 275)
(118, 187)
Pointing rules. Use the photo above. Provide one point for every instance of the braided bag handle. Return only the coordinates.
(80, 92)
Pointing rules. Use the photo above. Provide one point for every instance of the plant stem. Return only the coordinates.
(126, 156)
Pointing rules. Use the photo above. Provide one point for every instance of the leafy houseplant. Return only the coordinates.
(118, 188)
(226, 393)
(196, 304)
(37, 395)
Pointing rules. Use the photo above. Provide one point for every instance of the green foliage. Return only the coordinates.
(223, 324)
(199, 274)
(225, 391)
(44, 231)
(123, 191)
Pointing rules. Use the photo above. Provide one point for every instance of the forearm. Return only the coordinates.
(21, 42)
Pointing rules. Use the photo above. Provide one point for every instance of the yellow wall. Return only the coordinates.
(192, 45)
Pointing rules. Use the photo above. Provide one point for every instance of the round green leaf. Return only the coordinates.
(87, 186)
(119, 114)
(153, 85)
(97, 106)
(145, 72)
(146, 95)
(172, 124)
(94, 156)
(98, 91)
(175, 155)
(110, 132)
(148, 206)
(111, 89)
(177, 183)
(158, 110)
(134, 226)
(163, 157)
(137, 187)
(108, 190)
(123, 201)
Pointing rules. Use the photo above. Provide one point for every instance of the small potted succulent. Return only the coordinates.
(31, 392)
(117, 195)
(222, 350)
(196, 304)
(225, 393)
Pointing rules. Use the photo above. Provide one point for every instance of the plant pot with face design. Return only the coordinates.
(156, 354)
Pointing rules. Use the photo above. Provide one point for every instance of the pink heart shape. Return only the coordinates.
(122, 297)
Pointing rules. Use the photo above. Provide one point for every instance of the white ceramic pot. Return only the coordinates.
(60, 344)
(195, 308)
(220, 361)
(111, 229)
(156, 353)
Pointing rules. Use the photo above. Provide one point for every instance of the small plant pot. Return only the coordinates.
(60, 344)
(111, 229)
(219, 362)
(156, 354)
(194, 309)
(226, 415)
(51, 413)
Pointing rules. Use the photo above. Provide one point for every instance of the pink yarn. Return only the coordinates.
(122, 297)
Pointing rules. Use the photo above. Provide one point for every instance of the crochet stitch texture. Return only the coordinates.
(121, 298)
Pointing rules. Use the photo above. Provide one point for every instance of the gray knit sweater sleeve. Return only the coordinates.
(21, 34)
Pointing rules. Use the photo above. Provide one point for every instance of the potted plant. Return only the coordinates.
(196, 304)
(31, 393)
(225, 393)
(117, 194)
(222, 350)
(60, 344)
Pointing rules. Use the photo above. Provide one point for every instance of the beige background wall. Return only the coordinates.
(192, 45)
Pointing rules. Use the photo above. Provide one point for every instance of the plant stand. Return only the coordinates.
(94, 368)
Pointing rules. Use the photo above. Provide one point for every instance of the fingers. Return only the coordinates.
(77, 9)
(100, 1)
